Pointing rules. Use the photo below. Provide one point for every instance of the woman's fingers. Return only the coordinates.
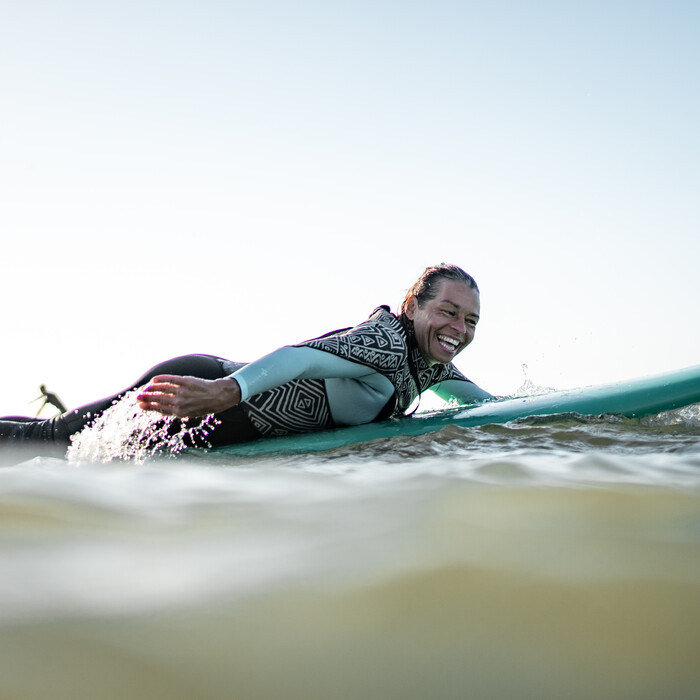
(160, 394)
(168, 382)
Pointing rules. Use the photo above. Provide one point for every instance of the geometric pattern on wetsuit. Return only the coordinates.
(299, 406)
(382, 344)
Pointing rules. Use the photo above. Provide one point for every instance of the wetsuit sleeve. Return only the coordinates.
(290, 363)
(463, 391)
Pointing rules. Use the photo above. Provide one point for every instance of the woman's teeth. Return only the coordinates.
(450, 344)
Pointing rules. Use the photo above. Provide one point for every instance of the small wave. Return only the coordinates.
(569, 433)
(688, 415)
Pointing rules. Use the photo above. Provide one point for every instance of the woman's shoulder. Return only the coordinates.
(382, 323)
(379, 341)
(383, 315)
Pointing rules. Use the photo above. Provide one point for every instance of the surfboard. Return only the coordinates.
(633, 398)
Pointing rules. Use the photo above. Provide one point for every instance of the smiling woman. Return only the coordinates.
(444, 323)
(347, 377)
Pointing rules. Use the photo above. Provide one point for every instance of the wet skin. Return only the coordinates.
(445, 325)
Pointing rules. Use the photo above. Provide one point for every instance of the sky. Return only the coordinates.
(230, 177)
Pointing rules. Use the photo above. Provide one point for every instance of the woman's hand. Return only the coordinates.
(189, 397)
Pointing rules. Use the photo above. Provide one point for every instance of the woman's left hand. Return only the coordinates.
(189, 397)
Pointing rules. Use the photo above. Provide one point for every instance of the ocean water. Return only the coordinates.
(543, 558)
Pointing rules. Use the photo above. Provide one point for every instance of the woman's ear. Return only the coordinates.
(411, 308)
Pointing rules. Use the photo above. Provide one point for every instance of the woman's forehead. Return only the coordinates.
(456, 292)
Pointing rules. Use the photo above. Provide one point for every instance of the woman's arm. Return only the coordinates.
(191, 396)
(462, 391)
(291, 362)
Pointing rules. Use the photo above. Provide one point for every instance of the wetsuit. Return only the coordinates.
(347, 377)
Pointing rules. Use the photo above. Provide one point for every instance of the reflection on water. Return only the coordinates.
(540, 559)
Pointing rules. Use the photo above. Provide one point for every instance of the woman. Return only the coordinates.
(347, 377)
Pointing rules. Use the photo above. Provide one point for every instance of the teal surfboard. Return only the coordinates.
(633, 398)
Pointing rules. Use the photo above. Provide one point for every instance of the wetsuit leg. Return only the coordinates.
(58, 430)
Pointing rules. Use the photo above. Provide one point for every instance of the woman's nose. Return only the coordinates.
(459, 324)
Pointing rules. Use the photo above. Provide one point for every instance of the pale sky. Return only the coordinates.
(229, 177)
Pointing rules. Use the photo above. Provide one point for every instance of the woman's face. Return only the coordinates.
(445, 325)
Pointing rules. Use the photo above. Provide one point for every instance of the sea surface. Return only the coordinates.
(543, 558)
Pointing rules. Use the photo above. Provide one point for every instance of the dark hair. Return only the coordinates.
(427, 285)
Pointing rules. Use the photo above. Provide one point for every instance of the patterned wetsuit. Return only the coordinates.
(347, 377)
(382, 344)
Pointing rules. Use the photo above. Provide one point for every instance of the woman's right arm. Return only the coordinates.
(192, 396)
(290, 363)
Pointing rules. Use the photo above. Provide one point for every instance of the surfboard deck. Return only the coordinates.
(632, 398)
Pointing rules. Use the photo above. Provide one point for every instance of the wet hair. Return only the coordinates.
(426, 286)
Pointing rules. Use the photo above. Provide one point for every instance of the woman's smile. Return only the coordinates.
(445, 325)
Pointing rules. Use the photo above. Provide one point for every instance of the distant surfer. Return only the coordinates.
(49, 398)
(351, 376)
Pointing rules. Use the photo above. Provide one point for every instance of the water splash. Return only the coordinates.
(125, 432)
(688, 415)
(528, 387)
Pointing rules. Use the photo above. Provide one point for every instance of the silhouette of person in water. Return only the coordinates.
(50, 398)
